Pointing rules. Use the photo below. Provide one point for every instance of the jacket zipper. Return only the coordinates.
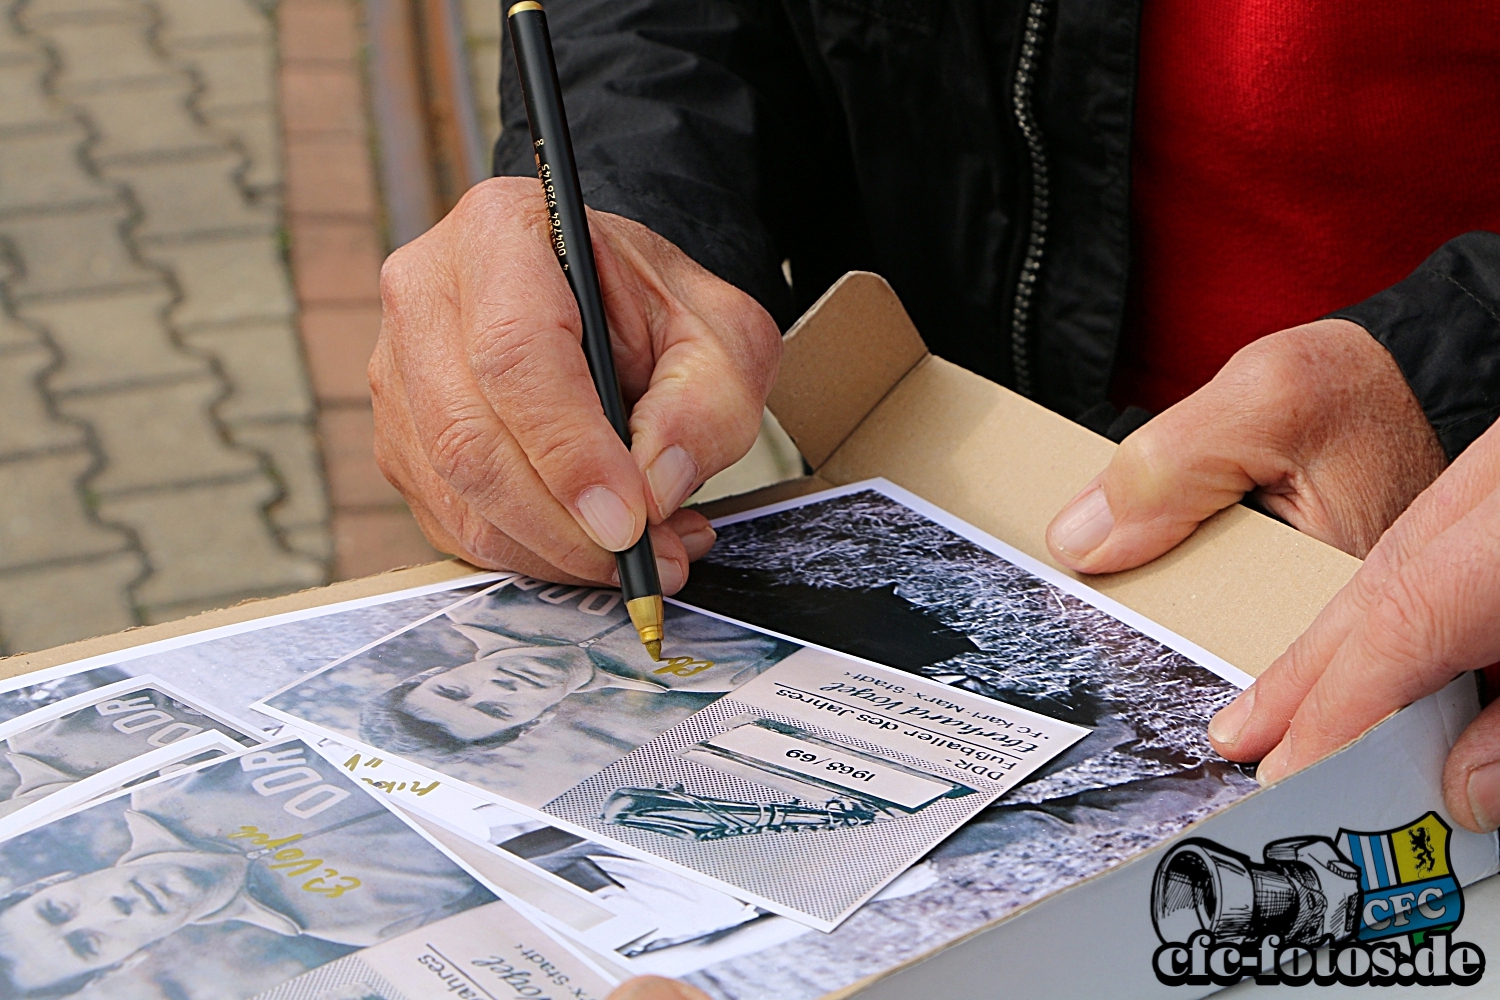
(1036, 239)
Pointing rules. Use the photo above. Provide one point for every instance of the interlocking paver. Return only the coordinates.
(200, 195)
(142, 122)
(481, 21)
(371, 541)
(260, 361)
(15, 335)
(227, 280)
(109, 53)
(22, 103)
(112, 340)
(299, 469)
(316, 542)
(25, 424)
(235, 76)
(50, 605)
(15, 47)
(29, 177)
(75, 251)
(158, 435)
(39, 13)
(187, 534)
(34, 527)
(188, 22)
(152, 352)
(256, 131)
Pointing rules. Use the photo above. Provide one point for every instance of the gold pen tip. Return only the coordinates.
(646, 614)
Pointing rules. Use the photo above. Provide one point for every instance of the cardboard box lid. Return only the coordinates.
(861, 396)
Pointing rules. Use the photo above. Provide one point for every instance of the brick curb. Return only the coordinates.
(337, 246)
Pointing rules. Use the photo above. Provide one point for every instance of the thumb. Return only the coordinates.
(1163, 481)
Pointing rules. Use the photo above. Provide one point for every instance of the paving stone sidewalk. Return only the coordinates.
(157, 453)
(186, 186)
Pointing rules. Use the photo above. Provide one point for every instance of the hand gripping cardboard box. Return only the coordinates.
(1357, 850)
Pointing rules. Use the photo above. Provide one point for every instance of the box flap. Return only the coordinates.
(840, 359)
(1243, 586)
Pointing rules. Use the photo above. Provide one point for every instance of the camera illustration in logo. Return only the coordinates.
(1305, 892)
(1383, 905)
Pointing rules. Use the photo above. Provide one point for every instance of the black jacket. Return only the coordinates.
(974, 152)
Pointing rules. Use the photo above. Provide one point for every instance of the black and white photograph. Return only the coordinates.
(53, 748)
(663, 910)
(873, 571)
(818, 783)
(528, 688)
(233, 666)
(217, 885)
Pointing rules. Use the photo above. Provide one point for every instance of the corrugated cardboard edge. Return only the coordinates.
(348, 590)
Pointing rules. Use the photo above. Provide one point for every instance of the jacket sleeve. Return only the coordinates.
(1442, 325)
(684, 116)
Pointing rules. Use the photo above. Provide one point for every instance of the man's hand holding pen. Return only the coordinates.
(488, 422)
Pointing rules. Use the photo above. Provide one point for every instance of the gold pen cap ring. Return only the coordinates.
(523, 5)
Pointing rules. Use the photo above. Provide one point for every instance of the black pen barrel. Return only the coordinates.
(552, 146)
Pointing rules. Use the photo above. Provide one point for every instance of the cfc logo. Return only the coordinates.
(1376, 908)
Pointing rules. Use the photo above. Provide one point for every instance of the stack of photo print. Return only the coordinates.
(873, 730)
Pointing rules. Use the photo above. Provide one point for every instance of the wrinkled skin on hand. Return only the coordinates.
(1424, 608)
(1316, 422)
(1319, 425)
(486, 417)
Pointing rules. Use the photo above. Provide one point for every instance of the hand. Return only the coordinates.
(1424, 608)
(656, 988)
(1320, 424)
(1316, 422)
(486, 418)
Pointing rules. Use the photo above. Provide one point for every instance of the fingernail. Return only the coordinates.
(1225, 727)
(1273, 768)
(671, 575)
(699, 542)
(608, 519)
(672, 477)
(1084, 526)
(1484, 795)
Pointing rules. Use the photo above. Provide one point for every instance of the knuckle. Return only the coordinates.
(1404, 627)
(457, 450)
(395, 278)
(1146, 457)
(558, 450)
(581, 559)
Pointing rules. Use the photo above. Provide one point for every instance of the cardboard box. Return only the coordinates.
(862, 397)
